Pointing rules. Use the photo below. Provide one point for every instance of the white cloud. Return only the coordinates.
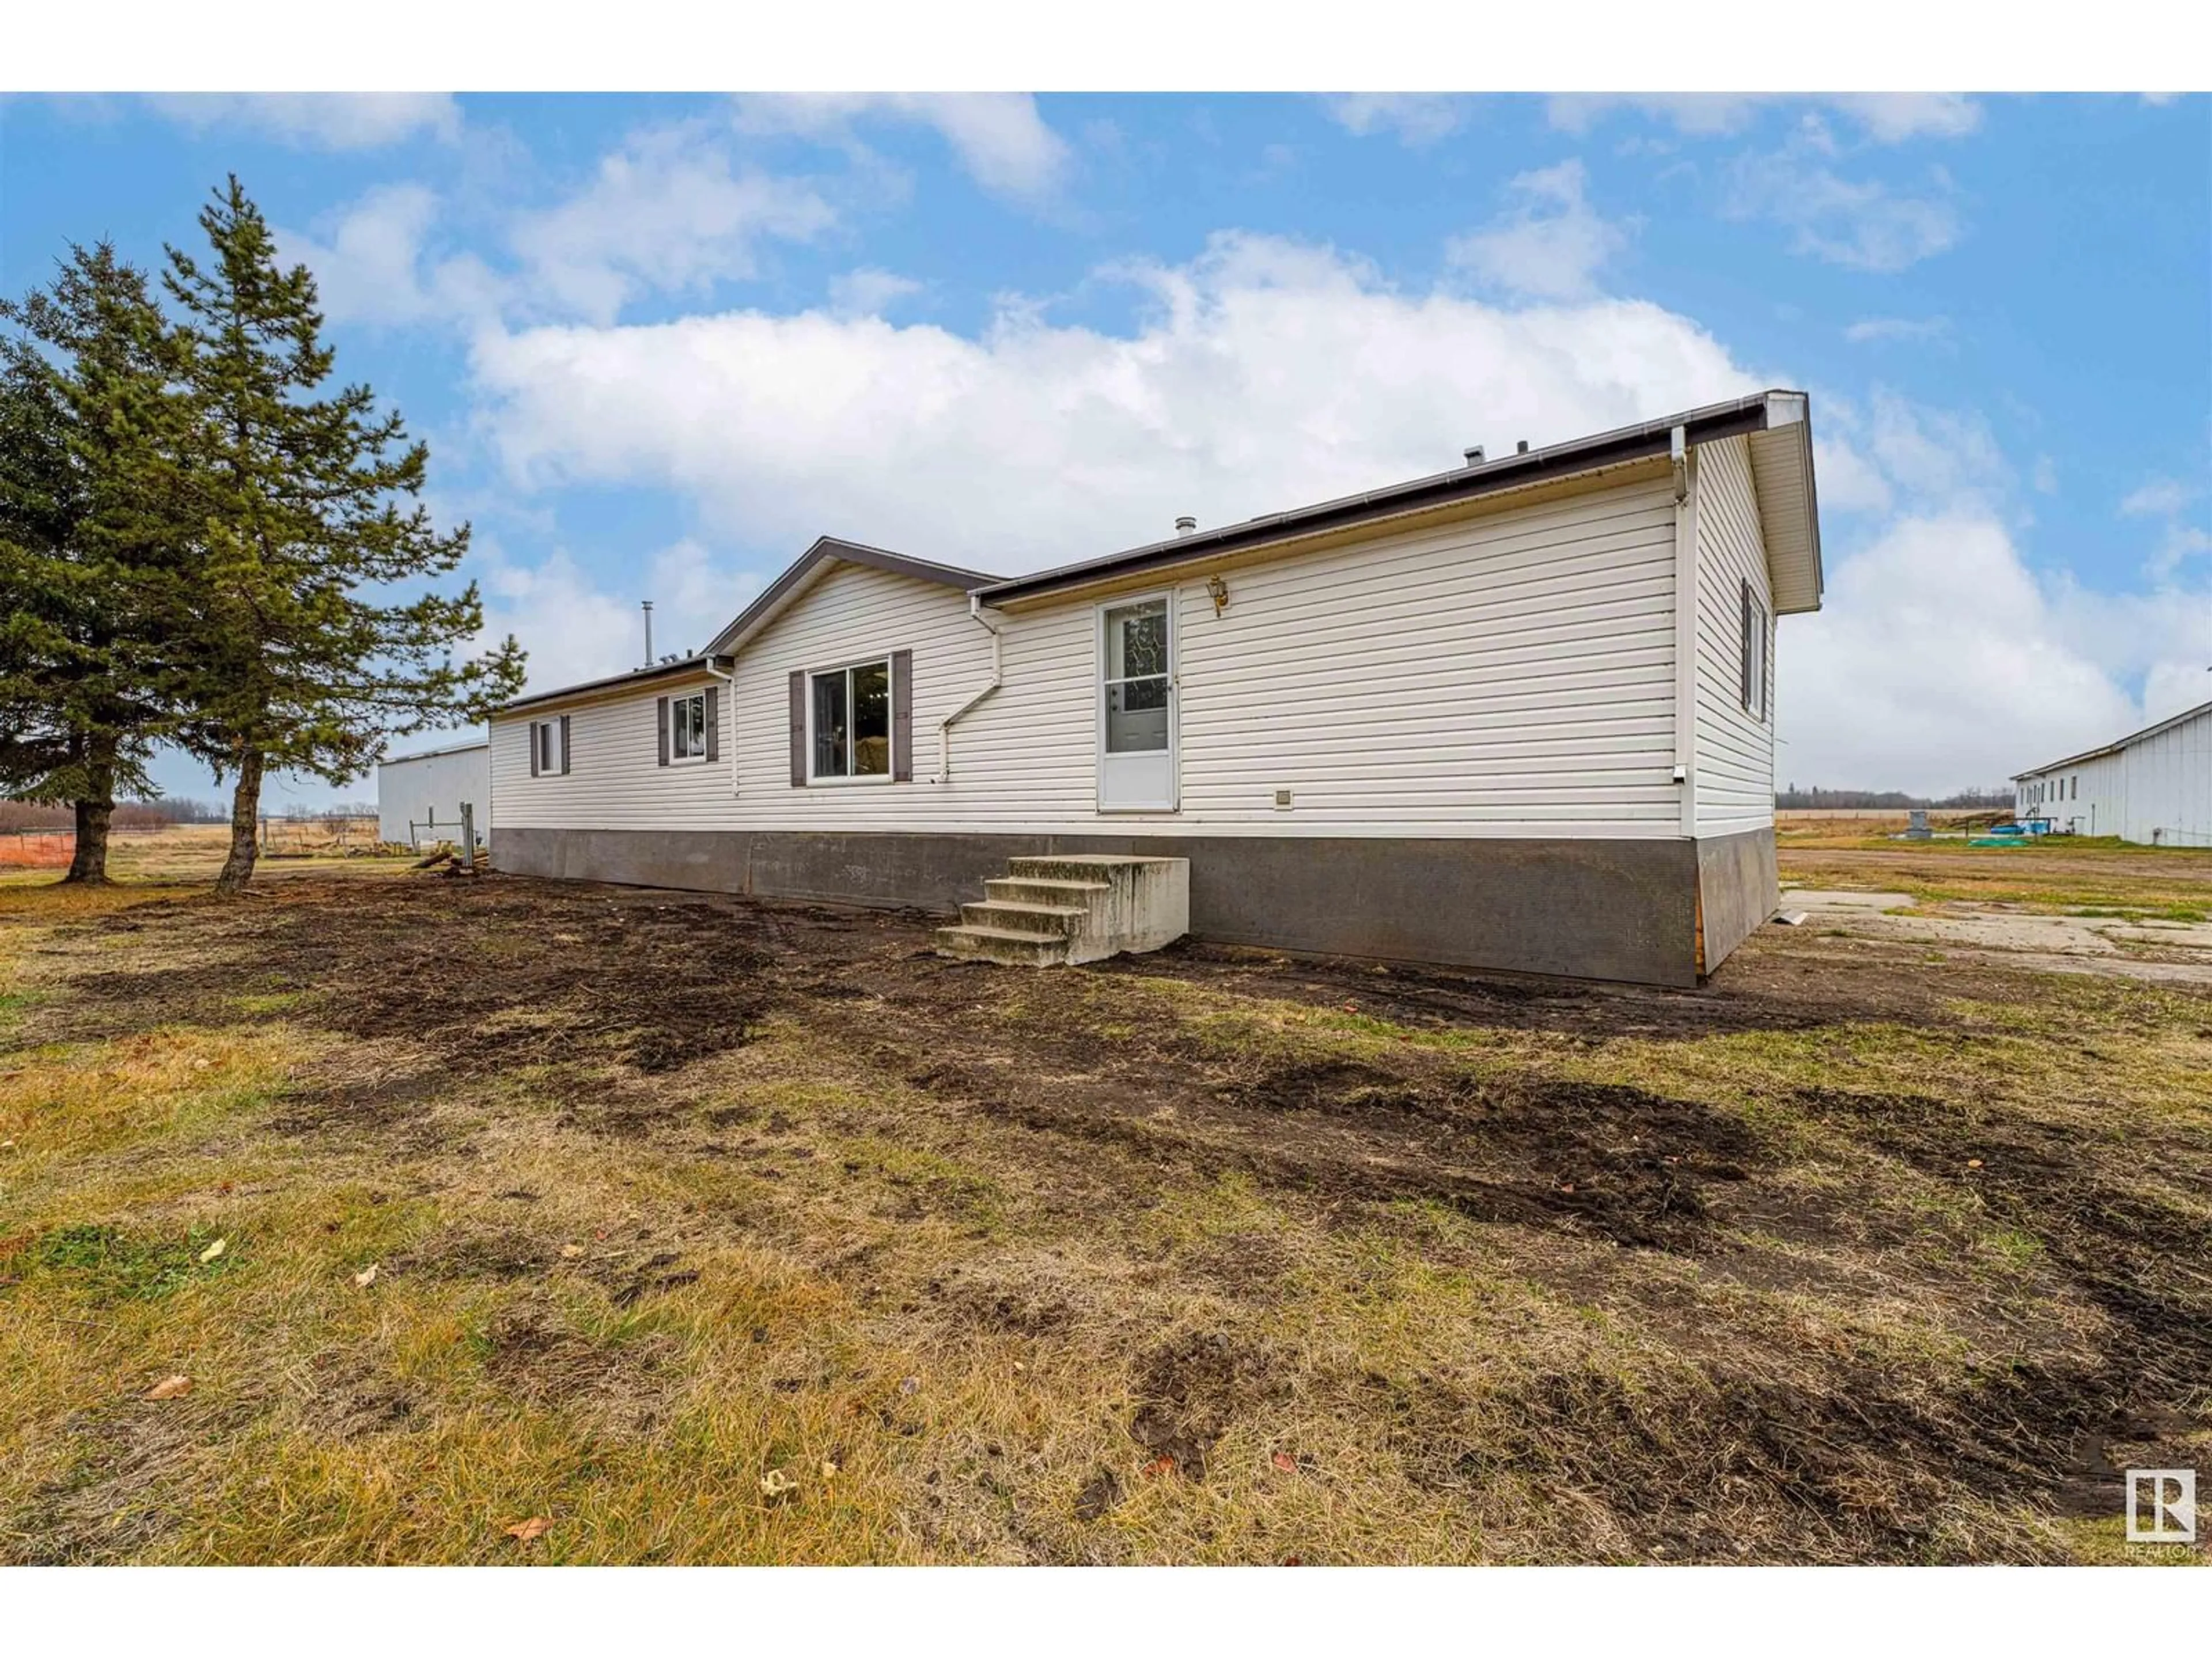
(1868, 330)
(1847, 480)
(1266, 374)
(668, 212)
(2157, 498)
(321, 121)
(1004, 144)
(1549, 246)
(368, 262)
(869, 292)
(574, 628)
(2167, 498)
(1938, 661)
(1417, 117)
(1886, 116)
(1862, 223)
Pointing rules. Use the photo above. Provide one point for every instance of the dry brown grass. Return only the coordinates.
(191, 853)
(2066, 876)
(711, 1231)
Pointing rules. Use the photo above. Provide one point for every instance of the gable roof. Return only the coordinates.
(812, 565)
(2117, 743)
(776, 597)
(1779, 422)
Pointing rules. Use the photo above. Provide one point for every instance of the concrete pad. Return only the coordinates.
(2059, 943)
(1820, 901)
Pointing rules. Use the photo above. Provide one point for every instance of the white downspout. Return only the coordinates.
(730, 680)
(1686, 629)
(998, 673)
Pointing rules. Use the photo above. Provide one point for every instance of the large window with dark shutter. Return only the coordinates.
(851, 713)
(853, 724)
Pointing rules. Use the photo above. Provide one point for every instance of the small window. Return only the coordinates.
(549, 746)
(850, 711)
(687, 726)
(1756, 677)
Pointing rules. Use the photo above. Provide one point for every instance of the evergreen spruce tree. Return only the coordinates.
(303, 658)
(91, 544)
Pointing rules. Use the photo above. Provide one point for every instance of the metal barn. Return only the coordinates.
(2153, 787)
(419, 797)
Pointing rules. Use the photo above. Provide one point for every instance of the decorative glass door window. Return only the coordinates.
(852, 718)
(1136, 681)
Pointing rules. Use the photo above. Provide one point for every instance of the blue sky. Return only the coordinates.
(657, 343)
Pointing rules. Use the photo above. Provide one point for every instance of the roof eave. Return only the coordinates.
(2118, 743)
(1556, 463)
(661, 671)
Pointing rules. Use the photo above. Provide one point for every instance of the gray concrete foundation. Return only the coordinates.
(1656, 912)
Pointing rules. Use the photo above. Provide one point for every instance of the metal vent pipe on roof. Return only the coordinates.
(1186, 526)
(1473, 456)
(1520, 448)
(647, 605)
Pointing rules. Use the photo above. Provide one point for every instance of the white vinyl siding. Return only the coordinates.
(615, 778)
(1734, 747)
(1510, 674)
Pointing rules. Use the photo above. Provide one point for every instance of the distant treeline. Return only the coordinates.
(1797, 799)
(129, 814)
(160, 814)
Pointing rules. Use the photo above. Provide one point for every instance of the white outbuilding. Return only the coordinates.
(419, 797)
(2153, 787)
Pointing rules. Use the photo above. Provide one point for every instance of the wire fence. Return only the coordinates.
(336, 834)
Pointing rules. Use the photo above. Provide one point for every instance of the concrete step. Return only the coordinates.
(1022, 889)
(1003, 945)
(1007, 915)
(1078, 866)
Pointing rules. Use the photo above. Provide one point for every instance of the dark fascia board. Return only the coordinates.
(826, 548)
(2116, 744)
(660, 671)
(1628, 443)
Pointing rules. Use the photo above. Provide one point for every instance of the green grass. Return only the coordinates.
(104, 1264)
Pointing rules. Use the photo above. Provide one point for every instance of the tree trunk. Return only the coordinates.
(244, 817)
(89, 863)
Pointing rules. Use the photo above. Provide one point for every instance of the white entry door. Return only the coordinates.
(1136, 706)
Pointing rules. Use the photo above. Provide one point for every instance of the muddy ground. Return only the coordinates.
(1806, 1265)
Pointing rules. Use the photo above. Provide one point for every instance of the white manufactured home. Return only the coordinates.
(1515, 715)
(2153, 786)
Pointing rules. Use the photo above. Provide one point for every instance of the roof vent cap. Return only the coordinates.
(1520, 448)
(1186, 526)
(1473, 456)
